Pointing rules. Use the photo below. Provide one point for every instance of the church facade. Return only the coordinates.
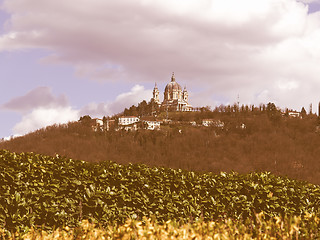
(175, 99)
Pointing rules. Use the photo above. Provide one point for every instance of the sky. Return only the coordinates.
(60, 60)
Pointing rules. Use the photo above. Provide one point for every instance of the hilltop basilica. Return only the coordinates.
(175, 99)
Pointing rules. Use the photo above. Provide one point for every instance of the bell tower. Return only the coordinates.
(156, 94)
(185, 94)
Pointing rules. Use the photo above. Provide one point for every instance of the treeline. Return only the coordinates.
(233, 115)
(143, 109)
(268, 141)
(153, 109)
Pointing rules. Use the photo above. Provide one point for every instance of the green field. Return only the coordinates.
(46, 193)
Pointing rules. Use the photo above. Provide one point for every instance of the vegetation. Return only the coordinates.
(259, 228)
(269, 142)
(143, 109)
(50, 192)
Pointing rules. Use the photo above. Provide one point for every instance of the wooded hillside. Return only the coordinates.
(269, 142)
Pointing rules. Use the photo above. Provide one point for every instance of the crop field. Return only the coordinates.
(48, 193)
(260, 228)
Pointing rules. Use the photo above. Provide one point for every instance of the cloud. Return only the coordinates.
(226, 47)
(41, 117)
(40, 97)
(55, 111)
(310, 1)
(137, 94)
(287, 85)
(40, 108)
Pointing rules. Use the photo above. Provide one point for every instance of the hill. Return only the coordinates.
(267, 142)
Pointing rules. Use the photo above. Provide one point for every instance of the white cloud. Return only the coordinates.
(136, 95)
(42, 117)
(40, 108)
(287, 85)
(122, 101)
(226, 47)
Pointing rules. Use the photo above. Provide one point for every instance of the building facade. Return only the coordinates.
(127, 120)
(152, 125)
(174, 99)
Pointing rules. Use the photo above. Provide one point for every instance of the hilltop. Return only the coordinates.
(251, 139)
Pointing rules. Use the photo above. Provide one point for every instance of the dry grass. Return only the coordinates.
(259, 228)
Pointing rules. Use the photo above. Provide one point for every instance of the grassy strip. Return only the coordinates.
(256, 228)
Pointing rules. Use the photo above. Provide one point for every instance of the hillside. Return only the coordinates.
(269, 142)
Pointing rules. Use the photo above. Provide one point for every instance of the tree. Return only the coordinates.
(271, 107)
(273, 112)
(303, 112)
(286, 112)
(142, 108)
(126, 112)
(133, 111)
(153, 107)
(85, 118)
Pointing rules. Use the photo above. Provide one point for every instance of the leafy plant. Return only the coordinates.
(50, 192)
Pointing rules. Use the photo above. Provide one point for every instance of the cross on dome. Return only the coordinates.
(185, 88)
(173, 79)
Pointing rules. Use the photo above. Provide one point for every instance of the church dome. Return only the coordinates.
(173, 85)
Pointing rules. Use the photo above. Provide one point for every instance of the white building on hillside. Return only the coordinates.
(127, 120)
(294, 114)
(152, 125)
(98, 124)
(128, 123)
(212, 122)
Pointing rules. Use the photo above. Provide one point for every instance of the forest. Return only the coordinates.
(270, 141)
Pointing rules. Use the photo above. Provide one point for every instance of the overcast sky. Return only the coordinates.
(60, 60)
